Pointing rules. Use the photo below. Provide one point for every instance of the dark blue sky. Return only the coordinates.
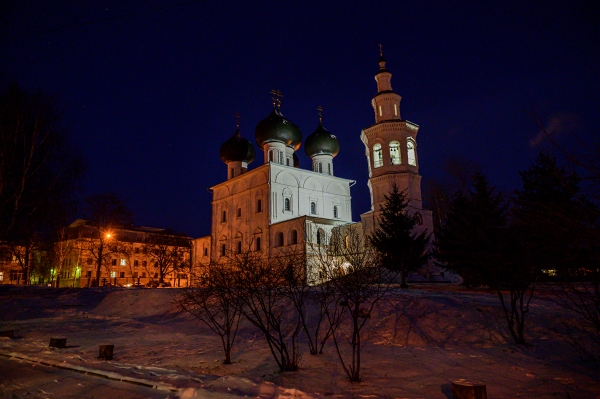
(151, 95)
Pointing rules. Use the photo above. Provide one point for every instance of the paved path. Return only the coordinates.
(23, 379)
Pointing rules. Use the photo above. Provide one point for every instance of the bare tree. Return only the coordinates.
(260, 285)
(214, 301)
(107, 213)
(168, 254)
(358, 282)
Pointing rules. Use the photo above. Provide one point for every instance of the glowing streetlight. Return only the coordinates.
(108, 235)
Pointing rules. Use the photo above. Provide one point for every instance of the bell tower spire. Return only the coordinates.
(391, 150)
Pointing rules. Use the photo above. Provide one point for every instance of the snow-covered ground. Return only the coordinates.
(417, 343)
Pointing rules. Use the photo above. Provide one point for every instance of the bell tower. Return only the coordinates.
(391, 150)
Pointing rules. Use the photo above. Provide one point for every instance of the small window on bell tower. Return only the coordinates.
(395, 109)
(380, 114)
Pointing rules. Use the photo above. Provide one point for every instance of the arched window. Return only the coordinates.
(294, 238)
(377, 156)
(271, 156)
(395, 152)
(258, 206)
(313, 208)
(287, 205)
(419, 218)
(380, 111)
(396, 109)
(320, 167)
(329, 168)
(279, 239)
(224, 217)
(280, 157)
(335, 212)
(257, 245)
(239, 247)
(320, 236)
(223, 249)
(410, 149)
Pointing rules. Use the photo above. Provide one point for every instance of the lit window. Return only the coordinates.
(313, 208)
(410, 148)
(347, 241)
(335, 212)
(395, 152)
(395, 110)
(287, 204)
(377, 156)
(123, 262)
(113, 274)
(380, 111)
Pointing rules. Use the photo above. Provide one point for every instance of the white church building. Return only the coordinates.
(279, 205)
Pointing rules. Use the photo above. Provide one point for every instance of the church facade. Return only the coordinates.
(280, 206)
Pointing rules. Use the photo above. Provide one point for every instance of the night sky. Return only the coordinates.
(150, 88)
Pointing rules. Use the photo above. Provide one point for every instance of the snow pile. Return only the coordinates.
(416, 344)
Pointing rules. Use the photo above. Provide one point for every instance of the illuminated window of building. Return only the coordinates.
(377, 156)
(395, 152)
(123, 262)
(335, 212)
(313, 208)
(395, 109)
(380, 114)
(410, 149)
(113, 274)
(347, 241)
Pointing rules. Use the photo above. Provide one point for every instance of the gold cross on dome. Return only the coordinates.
(237, 120)
(320, 112)
(277, 96)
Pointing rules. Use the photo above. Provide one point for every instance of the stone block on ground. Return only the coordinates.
(468, 389)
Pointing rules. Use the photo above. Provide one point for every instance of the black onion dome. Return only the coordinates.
(276, 128)
(321, 142)
(237, 149)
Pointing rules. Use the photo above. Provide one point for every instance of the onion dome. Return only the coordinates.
(237, 149)
(276, 128)
(296, 160)
(321, 142)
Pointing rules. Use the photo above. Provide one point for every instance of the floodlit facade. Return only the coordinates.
(131, 256)
(279, 206)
